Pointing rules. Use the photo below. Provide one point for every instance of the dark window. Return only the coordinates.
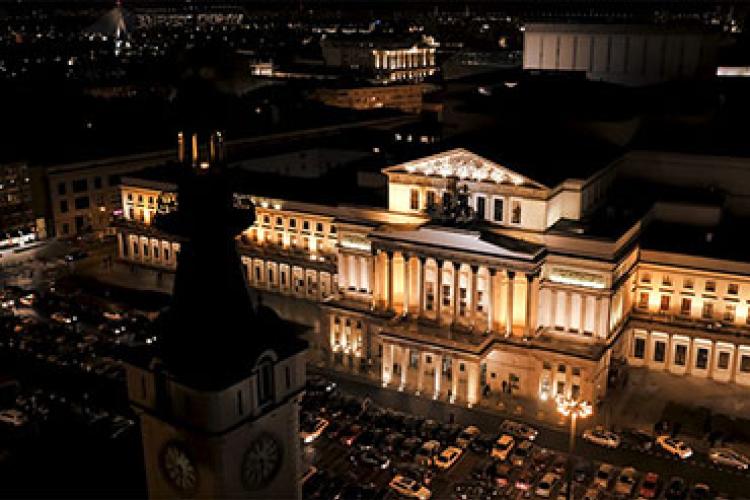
(723, 362)
(733, 289)
(63, 206)
(745, 364)
(430, 198)
(288, 376)
(414, 199)
(686, 306)
(481, 203)
(80, 185)
(319, 227)
(114, 180)
(497, 210)
(292, 223)
(97, 182)
(639, 348)
(240, 405)
(680, 355)
(166, 254)
(660, 351)
(710, 286)
(265, 383)
(446, 199)
(516, 214)
(701, 360)
(708, 310)
(664, 305)
(145, 250)
(82, 202)
(61, 189)
(65, 228)
(561, 368)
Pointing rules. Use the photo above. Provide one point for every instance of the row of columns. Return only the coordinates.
(292, 272)
(396, 354)
(600, 320)
(355, 272)
(531, 298)
(404, 59)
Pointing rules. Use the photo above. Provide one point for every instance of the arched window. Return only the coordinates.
(265, 382)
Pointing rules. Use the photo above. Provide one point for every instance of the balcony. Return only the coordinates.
(705, 326)
(323, 261)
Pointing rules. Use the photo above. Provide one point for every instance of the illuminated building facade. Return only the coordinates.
(387, 59)
(406, 98)
(479, 280)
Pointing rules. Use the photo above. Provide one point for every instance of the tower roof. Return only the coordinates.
(212, 334)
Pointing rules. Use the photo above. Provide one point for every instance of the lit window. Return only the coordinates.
(686, 306)
(729, 313)
(414, 199)
(680, 354)
(733, 289)
(645, 278)
(688, 283)
(666, 280)
(643, 300)
(710, 286)
(723, 362)
(708, 310)
(664, 305)
(516, 213)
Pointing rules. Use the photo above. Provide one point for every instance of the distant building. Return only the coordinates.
(387, 59)
(15, 197)
(621, 53)
(406, 98)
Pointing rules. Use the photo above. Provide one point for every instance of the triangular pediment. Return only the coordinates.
(465, 165)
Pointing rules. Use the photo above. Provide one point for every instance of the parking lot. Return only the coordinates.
(359, 422)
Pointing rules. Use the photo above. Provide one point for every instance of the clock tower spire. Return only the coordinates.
(218, 398)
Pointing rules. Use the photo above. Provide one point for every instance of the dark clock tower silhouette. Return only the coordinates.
(218, 399)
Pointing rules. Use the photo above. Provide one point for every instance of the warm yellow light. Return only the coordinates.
(568, 407)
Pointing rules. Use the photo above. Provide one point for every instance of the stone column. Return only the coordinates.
(454, 379)
(553, 310)
(597, 317)
(568, 308)
(509, 308)
(604, 332)
(342, 265)
(472, 385)
(474, 295)
(437, 359)
(456, 286)
(420, 373)
(407, 284)
(439, 291)
(420, 285)
(370, 274)
(528, 327)
(389, 274)
(491, 299)
(387, 368)
(404, 367)
(320, 283)
(583, 314)
(376, 289)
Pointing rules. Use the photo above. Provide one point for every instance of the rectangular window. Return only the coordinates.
(63, 206)
(481, 204)
(729, 313)
(292, 223)
(733, 289)
(680, 354)
(156, 252)
(639, 348)
(446, 199)
(708, 310)
(288, 377)
(97, 182)
(497, 210)
(145, 250)
(414, 199)
(645, 278)
(446, 295)
(561, 368)
(82, 203)
(319, 227)
(257, 274)
(710, 286)
(688, 284)
(666, 280)
(643, 300)
(240, 405)
(660, 351)
(723, 362)
(745, 363)
(80, 185)
(701, 359)
(686, 306)
(61, 188)
(515, 217)
(664, 305)
(430, 198)
(429, 295)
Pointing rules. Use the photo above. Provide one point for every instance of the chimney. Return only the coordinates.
(180, 147)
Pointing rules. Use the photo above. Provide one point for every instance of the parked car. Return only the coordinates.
(483, 443)
(674, 447)
(410, 488)
(650, 486)
(638, 439)
(591, 494)
(468, 435)
(426, 453)
(729, 458)
(448, 457)
(602, 437)
(519, 430)
(410, 446)
(603, 476)
(524, 480)
(13, 417)
(626, 482)
(502, 447)
(501, 474)
(371, 458)
(545, 485)
(676, 489)
(313, 429)
(350, 436)
(700, 491)
(521, 453)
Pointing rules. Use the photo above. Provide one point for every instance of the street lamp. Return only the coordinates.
(574, 409)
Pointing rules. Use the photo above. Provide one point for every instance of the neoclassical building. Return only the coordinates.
(479, 279)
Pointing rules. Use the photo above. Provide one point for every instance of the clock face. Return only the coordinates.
(178, 467)
(262, 462)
